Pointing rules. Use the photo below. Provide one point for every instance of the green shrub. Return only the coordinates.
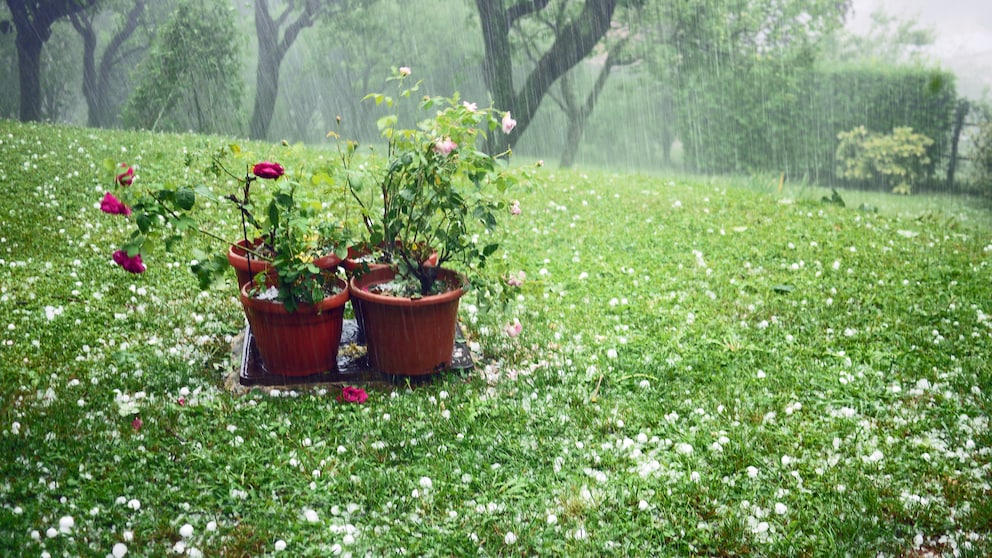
(894, 159)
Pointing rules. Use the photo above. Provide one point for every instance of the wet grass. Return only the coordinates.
(705, 367)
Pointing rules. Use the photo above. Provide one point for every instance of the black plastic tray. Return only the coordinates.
(351, 369)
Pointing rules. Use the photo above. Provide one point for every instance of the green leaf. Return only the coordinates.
(185, 198)
(386, 122)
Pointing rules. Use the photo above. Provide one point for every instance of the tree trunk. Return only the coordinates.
(29, 75)
(33, 22)
(267, 72)
(960, 112)
(271, 50)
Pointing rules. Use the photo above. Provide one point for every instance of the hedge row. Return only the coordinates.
(768, 119)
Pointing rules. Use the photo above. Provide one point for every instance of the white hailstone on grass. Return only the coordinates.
(426, 483)
(780, 508)
(186, 531)
(642, 505)
(684, 448)
(752, 472)
(280, 545)
(552, 519)
(18, 510)
(66, 524)
(119, 550)
(310, 515)
(134, 504)
(194, 552)
(510, 538)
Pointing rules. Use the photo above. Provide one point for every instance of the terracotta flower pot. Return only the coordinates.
(247, 266)
(299, 343)
(407, 337)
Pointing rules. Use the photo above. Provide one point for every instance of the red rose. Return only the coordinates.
(351, 394)
(127, 177)
(269, 170)
(129, 264)
(110, 204)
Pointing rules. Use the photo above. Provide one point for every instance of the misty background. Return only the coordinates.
(880, 94)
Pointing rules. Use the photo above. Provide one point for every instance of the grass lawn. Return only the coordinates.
(705, 367)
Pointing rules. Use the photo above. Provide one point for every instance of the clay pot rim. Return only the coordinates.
(359, 290)
(274, 306)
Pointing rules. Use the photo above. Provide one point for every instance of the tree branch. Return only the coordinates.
(523, 8)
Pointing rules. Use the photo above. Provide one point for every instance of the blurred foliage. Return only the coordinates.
(193, 78)
(979, 153)
(894, 159)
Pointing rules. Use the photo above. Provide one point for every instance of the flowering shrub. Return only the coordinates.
(281, 228)
(436, 196)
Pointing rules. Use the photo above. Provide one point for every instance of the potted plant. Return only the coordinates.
(433, 199)
(294, 306)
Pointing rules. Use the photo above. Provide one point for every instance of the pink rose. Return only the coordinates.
(515, 208)
(110, 204)
(268, 170)
(516, 280)
(127, 177)
(130, 264)
(508, 123)
(445, 146)
(351, 394)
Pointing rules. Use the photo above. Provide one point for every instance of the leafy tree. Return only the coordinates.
(193, 79)
(735, 66)
(889, 40)
(585, 23)
(104, 76)
(33, 20)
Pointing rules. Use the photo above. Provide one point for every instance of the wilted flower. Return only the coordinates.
(110, 204)
(137, 423)
(515, 208)
(445, 146)
(350, 394)
(129, 263)
(405, 70)
(127, 177)
(471, 107)
(513, 329)
(508, 123)
(516, 279)
(268, 170)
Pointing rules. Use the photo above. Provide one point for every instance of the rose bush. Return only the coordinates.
(434, 196)
(282, 227)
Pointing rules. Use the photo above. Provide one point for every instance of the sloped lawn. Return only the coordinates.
(701, 370)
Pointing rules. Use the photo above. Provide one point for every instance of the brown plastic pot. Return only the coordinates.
(300, 343)
(404, 336)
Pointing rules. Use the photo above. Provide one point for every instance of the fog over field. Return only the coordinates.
(963, 28)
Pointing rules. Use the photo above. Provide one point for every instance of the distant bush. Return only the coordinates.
(894, 159)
